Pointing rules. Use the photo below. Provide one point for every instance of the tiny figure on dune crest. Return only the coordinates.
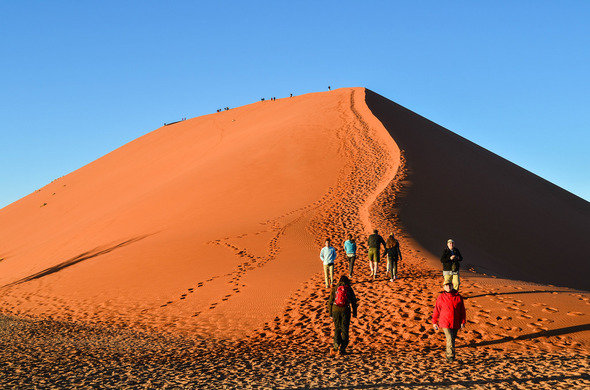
(375, 241)
(450, 260)
(329, 88)
(291, 95)
(328, 255)
(393, 255)
(341, 300)
(449, 315)
(350, 249)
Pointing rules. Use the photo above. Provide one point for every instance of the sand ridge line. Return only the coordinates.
(369, 167)
(391, 169)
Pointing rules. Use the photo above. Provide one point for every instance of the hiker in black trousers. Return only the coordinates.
(341, 300)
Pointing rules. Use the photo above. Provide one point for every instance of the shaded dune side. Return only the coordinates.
(506, 220)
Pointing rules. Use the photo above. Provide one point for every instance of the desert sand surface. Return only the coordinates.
(188, 258)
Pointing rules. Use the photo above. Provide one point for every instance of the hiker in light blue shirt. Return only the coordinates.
(350, 249)
(328, 255)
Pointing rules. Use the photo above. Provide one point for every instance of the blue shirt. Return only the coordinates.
(350, 247)
(328, 255)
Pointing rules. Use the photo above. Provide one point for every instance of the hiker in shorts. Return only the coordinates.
(393, 255)
(449, 315)
(341, 300)
(350, 249)
(375, 241)
(328, 255)
(450, 260)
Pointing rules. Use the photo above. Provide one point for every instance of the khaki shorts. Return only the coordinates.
(374, 254)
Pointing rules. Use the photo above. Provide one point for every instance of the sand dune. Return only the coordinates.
(189, 258)
(210, 217)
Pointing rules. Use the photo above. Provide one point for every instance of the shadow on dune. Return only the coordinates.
(503, 217)
(75, 260)
(544, 333)
(516, 292)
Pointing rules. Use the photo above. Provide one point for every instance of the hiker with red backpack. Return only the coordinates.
(341, 300)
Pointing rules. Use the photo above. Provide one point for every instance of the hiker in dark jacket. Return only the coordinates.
(341, 300)
(450, 260)
(393, 255)
(449, 315)
(375, 241)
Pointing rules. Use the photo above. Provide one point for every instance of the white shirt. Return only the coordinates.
(328, 255)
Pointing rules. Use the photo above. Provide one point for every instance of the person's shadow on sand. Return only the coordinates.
(544, 333)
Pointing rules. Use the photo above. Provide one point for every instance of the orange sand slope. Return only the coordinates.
(207, 224)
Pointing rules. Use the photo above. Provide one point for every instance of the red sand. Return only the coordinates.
(218, 204)
(211, 227)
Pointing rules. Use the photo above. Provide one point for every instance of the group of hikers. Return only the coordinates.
(391, 250)
(449, 310)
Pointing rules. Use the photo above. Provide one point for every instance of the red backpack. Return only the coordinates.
(341, 296)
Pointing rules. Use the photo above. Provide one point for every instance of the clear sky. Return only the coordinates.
(81, 78)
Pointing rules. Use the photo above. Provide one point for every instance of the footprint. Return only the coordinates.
(575, 313)
(550, 310)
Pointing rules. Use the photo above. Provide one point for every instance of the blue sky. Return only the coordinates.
(79, 79)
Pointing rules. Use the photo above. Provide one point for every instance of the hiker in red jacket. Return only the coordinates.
(339, 304)
(449, 314)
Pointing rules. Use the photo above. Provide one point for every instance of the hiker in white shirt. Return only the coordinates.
(328, 255)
